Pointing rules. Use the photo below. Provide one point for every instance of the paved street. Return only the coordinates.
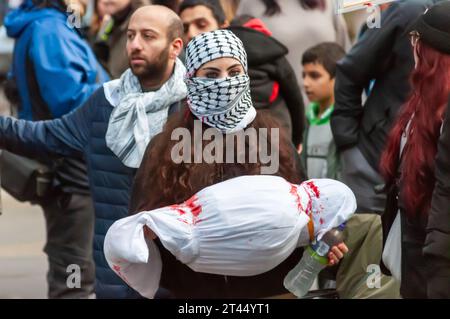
(23, 265)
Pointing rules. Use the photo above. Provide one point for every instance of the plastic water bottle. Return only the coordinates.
(315, 258)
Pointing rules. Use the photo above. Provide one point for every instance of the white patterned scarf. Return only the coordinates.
(226, 103)
(138, 116)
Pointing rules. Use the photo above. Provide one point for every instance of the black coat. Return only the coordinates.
(384, 55)
(437, 243)
(413, 267)
(268, 64)
(425, 239)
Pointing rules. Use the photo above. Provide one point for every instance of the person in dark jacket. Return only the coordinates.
(381, 56)
(408, 163)
(437, 241)
(55, 71)
(109, 45)
(360, 129)
(272, 80)
(113, 126)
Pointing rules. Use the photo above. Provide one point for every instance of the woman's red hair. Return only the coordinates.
(425, 108)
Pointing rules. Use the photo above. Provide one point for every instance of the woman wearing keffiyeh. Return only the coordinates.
(218, 99)
(221, 102)
(209, 230)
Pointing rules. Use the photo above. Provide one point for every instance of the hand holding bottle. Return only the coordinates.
(336, 254)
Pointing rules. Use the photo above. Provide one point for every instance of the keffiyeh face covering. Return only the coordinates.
(225, 103)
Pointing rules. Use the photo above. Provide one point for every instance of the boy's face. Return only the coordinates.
(319, 85)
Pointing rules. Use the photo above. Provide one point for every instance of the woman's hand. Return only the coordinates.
(299, 149)
(336, 254)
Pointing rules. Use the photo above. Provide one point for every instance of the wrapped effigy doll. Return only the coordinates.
(244, 226)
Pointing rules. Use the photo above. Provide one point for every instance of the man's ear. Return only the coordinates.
(177, 47)
(225, 24)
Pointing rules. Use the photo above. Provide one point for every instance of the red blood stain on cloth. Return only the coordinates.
(192, 204)
(189, 211)
(178, 209)
(183, 220)
(314, 188)
(118, 270)
(294, 192)
(308, 209)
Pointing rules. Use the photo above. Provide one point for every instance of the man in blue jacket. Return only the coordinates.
(113, 128)
(55, 71)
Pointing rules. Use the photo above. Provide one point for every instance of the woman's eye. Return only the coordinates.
(211, 75)
(202, 25)
(234, 73)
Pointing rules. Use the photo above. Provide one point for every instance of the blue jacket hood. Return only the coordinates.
(17, 20)
(64, 65)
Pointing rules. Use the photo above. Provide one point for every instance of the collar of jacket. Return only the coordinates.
(313, 111)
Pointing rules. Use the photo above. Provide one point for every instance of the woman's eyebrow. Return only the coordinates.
(233, 66)
(210, 68)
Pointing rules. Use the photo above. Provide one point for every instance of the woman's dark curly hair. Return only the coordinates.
(160, 182)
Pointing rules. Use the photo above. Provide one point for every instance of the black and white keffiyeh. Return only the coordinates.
(226, 103)
(138, 116)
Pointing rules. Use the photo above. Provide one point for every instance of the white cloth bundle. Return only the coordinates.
(241, 227)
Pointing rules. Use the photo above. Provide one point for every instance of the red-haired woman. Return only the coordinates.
(408, 162)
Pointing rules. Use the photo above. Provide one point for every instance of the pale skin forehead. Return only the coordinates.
(153, 17)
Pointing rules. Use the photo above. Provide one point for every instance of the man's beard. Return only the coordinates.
(153, 71)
